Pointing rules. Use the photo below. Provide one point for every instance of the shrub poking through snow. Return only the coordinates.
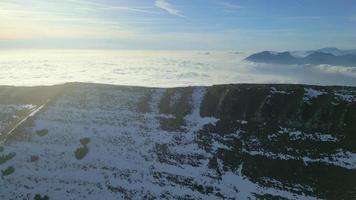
(42, 132)
(39, 197)
(4, 159)
(34, 158)
(81, 152)
(8, 171)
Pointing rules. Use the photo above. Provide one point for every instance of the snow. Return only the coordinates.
(310, 94)
(129, 139)
(341, 158)
(35, 111)
(303, 136)
(243, 122)
(194, 120)
(349, 98)
(125, 152)
(246, 187)
(298, 135)
(344, 159)
(275, 91)
(9, 114)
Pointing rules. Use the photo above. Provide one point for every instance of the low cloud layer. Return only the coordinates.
(157, 68)
(165, 5)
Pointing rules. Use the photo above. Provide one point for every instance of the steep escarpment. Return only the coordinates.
(221, 142)
(296, 135)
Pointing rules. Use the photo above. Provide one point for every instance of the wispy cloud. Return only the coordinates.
(231, 6)
(56, 20)
(100, 6)
(165, 5)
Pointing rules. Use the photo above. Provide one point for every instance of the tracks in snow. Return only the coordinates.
(31, 114)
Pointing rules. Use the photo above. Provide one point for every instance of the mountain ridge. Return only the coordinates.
(237, 141)
(327, 56)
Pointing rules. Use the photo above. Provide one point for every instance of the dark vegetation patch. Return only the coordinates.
(5, 158)
(1, 149)
(12, 122)
(8, 171)
(21, 133)
(266, 112)
(178, 108)
(29, 95)
(269, 197)
(164, 155)
(127, 194)
(326, 181)
(186, 182)
(26, 95)
(40, 197)
(34, 158)
(82, 151)
(42, 132)
(143, 105)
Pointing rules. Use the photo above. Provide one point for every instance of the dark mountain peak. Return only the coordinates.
(328, 49)
(275, 54)
(318, 54)
(285, 53)
(263, 53)
(329, 56)
(271, 57)
(337, 52)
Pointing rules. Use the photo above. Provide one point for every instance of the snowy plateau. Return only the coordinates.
(243, 141)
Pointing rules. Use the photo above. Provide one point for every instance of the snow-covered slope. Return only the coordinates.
(221, 142)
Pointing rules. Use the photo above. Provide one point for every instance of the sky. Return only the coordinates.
(232, 25)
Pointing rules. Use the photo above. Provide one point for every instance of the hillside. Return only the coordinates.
(242, 141)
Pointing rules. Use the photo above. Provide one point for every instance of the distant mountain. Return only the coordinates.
(330, 56)
(336, 51)
(273, 57)
(330, 59)
(331, 50)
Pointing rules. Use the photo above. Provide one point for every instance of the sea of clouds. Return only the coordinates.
(157, 69)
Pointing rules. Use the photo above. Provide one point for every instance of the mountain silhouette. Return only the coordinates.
(314, 57)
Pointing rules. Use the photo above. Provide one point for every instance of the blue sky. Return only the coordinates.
(241, 25)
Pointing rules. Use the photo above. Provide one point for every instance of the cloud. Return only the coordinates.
(55, 20)
(165, 5)
(231, 6)
(99, 6)
(26, 31)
